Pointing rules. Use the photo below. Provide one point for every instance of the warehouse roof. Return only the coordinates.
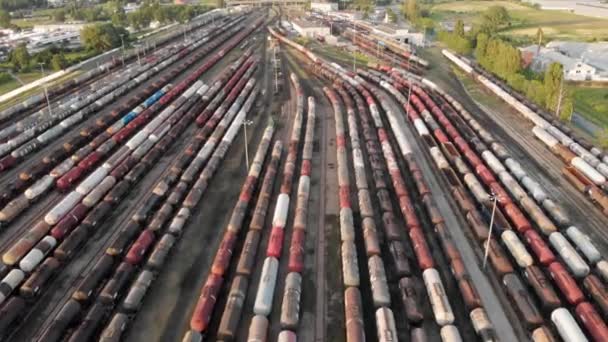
(595, 54)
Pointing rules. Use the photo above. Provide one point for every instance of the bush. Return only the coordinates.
(459, 44)
(102, 37)
(5, 77)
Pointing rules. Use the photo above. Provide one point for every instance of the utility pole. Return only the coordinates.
(354, 47)
(540, 40)
(559, 98)
(409, 95)
(46, 93)
(275, 63)
(245, 124)
(493, 198)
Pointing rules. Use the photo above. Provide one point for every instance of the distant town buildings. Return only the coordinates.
(581, 61)
(591, 8)
(56, 3)
(315, 25)
(324, 7)
(41, 37)
(131, 7)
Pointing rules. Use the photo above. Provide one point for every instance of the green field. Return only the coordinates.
(30, 77)
(341, 56)
(13, 84)
(31, 22)
(526, 20)
(592, 103)
(210, 3)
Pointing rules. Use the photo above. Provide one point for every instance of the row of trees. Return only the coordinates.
(102, 37)
(114, 11)
(11, 5)
(150, 12)
(492, 20)
(456, 42)
(22, 61)
(365, 6)
(418, 15)
(504, 60)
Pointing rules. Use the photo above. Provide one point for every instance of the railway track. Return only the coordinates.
(379, 236)
(569, 330)
(74, 86)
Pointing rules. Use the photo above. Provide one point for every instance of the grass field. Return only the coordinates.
(592, 103)
(342, 56)
(476, 91)
(30, 92)
(79, 55)
(526, 20)
(31, 22)
(210, 3)
(13, 84)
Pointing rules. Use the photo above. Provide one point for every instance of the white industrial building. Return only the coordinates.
(324, 7)
(310, 29)
(399, 33)
(581, 61)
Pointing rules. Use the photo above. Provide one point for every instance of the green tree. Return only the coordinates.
(58, 62)
(539, 36)
(410, 10)
(102, 37)
(567, 106)
(93, 14)
(20, 57)
(391, 16)
(459, 29)
(118, 17)
(134, 20)
(160, 14)
(482, 45)
(186, 13)
(425, 23)
(553, 85)
(43, 56)
(5, 18)
(59, 16)
(364, 5)
(459, 44)
(535, 91)
(494, 18)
